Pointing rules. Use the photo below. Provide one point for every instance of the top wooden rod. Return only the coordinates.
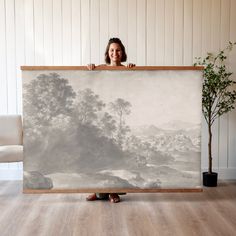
(103, 67)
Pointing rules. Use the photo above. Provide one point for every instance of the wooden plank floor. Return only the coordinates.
(212, 212)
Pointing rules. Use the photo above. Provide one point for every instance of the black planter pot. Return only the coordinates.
(210, 180)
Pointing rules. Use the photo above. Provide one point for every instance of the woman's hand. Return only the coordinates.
(91, 66)
(130, 65)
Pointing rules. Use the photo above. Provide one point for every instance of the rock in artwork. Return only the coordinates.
(125, 129)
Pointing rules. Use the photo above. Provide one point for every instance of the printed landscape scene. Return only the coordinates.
(87, 132)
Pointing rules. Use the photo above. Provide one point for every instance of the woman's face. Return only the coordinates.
(115, 53)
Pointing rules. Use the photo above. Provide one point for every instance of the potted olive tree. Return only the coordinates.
(218, 98)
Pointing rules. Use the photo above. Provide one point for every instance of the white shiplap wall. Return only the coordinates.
(155, 32)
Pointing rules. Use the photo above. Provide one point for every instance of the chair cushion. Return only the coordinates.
(11, 130)
(11, 153)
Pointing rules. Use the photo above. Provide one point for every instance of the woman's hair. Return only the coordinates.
(118, 41)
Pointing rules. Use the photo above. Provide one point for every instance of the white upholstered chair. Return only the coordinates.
(11, 138)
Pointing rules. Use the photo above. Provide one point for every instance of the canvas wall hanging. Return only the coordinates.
(111, 129)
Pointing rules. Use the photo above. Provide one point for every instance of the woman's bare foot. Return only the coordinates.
(114, 198)
(92, 197)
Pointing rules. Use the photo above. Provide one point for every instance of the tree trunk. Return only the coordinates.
(209, 149)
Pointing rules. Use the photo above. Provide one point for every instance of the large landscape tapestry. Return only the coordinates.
(111, 129)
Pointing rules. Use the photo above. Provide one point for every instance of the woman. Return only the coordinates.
(114, 55)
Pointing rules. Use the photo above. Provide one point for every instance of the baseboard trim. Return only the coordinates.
(11, 174)
(224, 173)
(17, 173)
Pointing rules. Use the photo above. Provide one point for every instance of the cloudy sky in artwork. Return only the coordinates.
(157, 97)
